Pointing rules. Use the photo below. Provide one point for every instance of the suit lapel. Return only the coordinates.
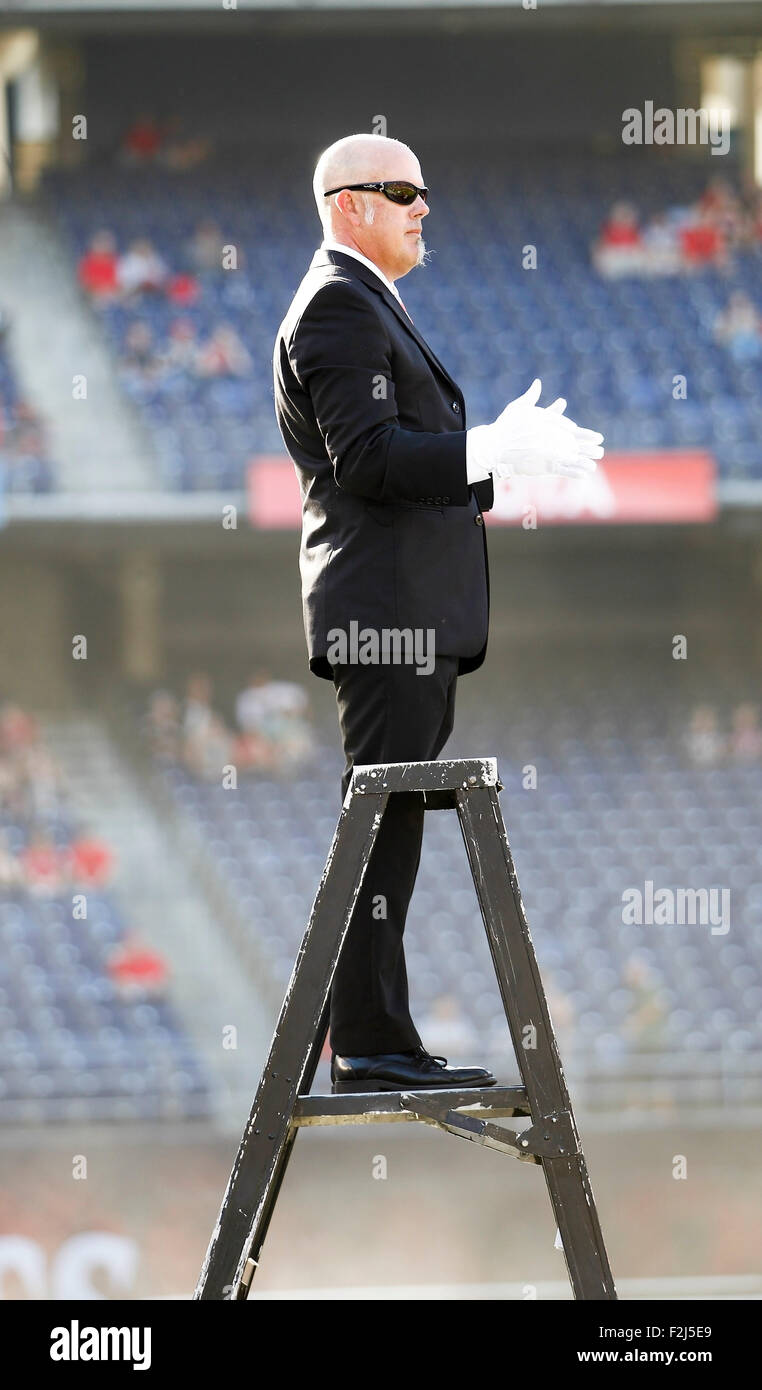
(323, 257)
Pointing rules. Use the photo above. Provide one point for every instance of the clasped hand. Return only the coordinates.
(531, 439)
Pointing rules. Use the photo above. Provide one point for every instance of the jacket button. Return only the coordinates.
(479, 519)
(456, 407)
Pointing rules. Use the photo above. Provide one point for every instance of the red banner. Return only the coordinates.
(671, 486)
(273, 493)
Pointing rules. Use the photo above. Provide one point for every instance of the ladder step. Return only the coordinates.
(383, 1107)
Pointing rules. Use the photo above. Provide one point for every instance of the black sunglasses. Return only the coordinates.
(396, 190)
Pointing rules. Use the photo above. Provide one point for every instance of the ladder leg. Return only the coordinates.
(259, 1232)
(268, 1138)
(573, 1204)
(532, 1035)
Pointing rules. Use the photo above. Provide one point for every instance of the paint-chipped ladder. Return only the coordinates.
(283, 1103)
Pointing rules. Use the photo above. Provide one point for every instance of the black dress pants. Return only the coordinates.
(387, 714)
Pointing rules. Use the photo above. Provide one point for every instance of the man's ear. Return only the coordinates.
(346, 202)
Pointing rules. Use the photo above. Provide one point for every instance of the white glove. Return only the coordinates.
(530, 439)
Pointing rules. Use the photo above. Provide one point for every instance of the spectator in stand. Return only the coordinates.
(138, 972)
(181, 354)
(198, 712)
(704, 744)
(90, 861)
(661, 254)
(17, 729)
(43, 783)
(208, 753)
(716, 194)
(739, 328)
(28, 431)
(141, 270)
(142, 141)
(746, 735)
(721, 202)
(702, 242)
(163, 726)
(18, 735)
(621, 227)
(619, 248)
(250, 705)
(181, 151)
(207, 743)
(31, 785)
(223, 355)
(139, 362)
(204, 249)
(276, 713)
(183, 289)
(254, 748)
(97, 269)
(43, 865)
(292, 733)
(24, 445)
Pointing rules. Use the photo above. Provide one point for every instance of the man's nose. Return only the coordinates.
(421, 206)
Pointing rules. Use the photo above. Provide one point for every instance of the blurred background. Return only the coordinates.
(156, 216)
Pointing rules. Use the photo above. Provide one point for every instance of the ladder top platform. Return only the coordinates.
(441, 775)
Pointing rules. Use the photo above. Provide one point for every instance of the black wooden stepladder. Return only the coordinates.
(283, 1103)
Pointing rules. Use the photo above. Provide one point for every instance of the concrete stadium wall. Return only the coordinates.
(157, 603)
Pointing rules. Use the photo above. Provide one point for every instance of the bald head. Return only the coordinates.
(359, 159)
(387, 233)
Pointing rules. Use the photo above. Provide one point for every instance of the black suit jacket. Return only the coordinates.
(392, 534)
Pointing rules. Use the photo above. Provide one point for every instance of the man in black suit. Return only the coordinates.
(393, 561)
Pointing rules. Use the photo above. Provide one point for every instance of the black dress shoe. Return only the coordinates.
(403, 1071)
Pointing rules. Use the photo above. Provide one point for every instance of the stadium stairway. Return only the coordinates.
(161, 898)
(97, 443)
